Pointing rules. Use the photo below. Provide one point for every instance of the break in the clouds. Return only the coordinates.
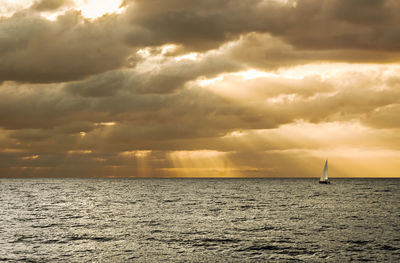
(259, 88)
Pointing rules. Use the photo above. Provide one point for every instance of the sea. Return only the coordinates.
(199, 220)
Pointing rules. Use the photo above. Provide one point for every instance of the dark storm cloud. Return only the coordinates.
(252, 50)
(49, 5)
(102, 85)
(309, 24)
(343, 24)
(30, 135)
(45, 120)
(166, 76)
(202, 25)
(34, 49)
(120, 96)
(369, 12)
(187, 114)
(35, 107)
(269, 53)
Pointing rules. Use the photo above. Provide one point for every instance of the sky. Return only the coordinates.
(206, 88)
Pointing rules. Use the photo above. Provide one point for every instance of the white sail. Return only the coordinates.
(324, 176)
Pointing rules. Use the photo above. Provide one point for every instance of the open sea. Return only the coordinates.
(199, 220)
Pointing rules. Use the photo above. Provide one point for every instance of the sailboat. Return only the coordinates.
(324, 177)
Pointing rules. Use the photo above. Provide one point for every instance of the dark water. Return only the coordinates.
(199, 220)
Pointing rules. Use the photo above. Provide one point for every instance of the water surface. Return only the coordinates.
(199, 220)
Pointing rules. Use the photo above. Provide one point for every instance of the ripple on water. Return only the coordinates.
(199, 220)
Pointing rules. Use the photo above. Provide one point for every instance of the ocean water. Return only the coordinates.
(199, 220)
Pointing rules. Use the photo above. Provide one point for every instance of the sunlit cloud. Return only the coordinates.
(96, 8)
(112, 123)
(144, 52)
(32, 157)
(90, 9)
(169, 48)
(9, 7)
(208, 82)
(191, 56)
(80, 152)
(235, 134)
(292, 3)
(137, 154)
(254, 74)
(323, 71)
(12, 150)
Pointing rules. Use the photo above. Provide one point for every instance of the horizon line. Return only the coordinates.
(182, 177)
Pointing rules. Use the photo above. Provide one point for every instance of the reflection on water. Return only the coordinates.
(180, 220)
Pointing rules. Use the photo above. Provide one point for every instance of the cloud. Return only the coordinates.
(49, 5)
(309, 24)
(266, 52)
(253, 87)
(34, 49)
(168, 121)
(385, 116)
(164, 75)
(331, 25)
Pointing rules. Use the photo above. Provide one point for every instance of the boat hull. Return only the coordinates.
(324, 182)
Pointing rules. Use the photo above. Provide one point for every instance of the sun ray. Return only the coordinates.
(201, 163)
